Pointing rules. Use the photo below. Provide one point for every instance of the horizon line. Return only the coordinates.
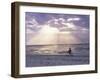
(57, 44)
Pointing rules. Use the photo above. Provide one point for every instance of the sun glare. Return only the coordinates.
(51, 35)
(49, 30)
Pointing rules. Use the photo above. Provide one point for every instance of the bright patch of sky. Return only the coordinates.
(49, 28)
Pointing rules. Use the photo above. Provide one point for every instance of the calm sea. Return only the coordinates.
(56, 55)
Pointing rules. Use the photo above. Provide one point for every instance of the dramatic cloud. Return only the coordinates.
(32, 26)
(73, 19)
(46, 28)
(63, 24)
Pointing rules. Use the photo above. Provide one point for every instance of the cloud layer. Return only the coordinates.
(72, 28)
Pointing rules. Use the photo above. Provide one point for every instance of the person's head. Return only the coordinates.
(70, 48)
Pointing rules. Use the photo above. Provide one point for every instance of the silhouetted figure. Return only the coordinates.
(70, 51)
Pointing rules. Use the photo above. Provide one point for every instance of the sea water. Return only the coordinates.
(56, 55)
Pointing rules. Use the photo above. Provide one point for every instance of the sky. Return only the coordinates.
(56, 28)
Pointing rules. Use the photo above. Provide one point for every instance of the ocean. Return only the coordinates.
(56, 55)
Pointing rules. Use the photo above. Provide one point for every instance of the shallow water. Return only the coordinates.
(48, 55)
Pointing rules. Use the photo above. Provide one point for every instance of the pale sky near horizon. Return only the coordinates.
(51, 28)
